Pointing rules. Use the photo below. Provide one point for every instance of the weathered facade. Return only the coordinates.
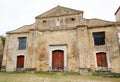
(62, 40)
(117, 14)
(1, 52)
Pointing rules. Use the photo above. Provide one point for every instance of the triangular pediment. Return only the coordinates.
(59, 11)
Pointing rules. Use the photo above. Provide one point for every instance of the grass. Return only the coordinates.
(107, 74)
(52, 77)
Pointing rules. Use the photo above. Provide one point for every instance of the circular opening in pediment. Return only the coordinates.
(72, 19)
(44, 21)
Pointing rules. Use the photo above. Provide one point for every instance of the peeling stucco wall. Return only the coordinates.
(111, 47)
(80, 48)
(56, 38)
(75, 34)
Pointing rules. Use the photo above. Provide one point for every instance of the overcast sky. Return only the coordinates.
(16, 13)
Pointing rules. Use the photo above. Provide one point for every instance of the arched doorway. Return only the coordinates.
(20, 61)
(57, 60)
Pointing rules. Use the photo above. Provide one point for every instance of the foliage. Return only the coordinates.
(56, 73)
(3, 39)
(107, 74)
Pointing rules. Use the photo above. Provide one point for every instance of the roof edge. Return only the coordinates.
(55, 8)
(117, 10)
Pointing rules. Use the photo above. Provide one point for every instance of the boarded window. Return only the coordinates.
(101, 59)
(22, 43)
(99, 38)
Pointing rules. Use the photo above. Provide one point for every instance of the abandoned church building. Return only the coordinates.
(61, 39)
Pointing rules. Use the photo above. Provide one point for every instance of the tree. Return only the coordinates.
(3, 39)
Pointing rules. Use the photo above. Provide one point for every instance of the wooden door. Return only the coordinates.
(101, 59)
(58, 60)
(20, 61)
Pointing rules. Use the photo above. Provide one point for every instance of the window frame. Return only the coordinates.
(99, 38)
(20, 60)
(22, 43)
(101, 59)
(108, 61)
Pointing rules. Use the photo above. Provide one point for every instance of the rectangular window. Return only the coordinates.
(99, 38)
(22, 43)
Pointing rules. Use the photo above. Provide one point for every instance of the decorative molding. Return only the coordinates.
(57, 47)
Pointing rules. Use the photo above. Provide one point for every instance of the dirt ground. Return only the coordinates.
(57, 77)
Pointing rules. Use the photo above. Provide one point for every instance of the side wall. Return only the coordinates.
(11, 51)
(111, 48)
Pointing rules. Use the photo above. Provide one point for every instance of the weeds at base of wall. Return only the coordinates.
(105, 74)
(56, 73)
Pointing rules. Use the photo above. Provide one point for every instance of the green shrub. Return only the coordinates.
(3, 39)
